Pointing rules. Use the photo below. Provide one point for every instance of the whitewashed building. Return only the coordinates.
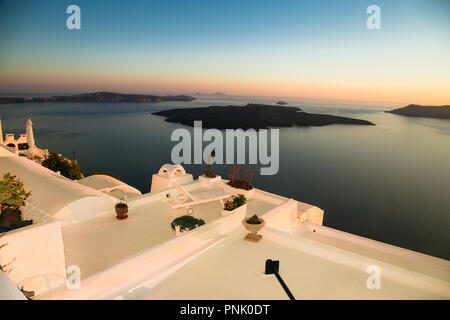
(24, 144)
(77, 249)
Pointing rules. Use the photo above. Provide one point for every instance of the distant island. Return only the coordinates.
(282, 103)
(98, 97)
(257, 116)
(414, 110)
(218, 93)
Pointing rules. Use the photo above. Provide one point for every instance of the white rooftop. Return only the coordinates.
(233, 269)
(141, 258)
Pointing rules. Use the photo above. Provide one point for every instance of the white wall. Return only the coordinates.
(36, 252)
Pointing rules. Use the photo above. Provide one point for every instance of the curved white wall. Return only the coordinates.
(56, 195)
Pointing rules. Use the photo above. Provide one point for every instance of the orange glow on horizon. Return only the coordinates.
(58, 82)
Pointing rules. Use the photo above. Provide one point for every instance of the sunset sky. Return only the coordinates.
(318, 49)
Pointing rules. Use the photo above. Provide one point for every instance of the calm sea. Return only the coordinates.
(389, 182)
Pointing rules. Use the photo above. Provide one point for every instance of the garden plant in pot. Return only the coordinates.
(121, 210)
(235, 180)
(240, 185)
(185, 223)
(209, 171)
(253, 225)
(238, 202)
(12, 197)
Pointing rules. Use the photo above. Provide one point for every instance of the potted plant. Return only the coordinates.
(238, 204)
(209, 173)
(253, 225)
(121, 210)
(210, 178)
(12, 196)
(237, 185)
(185, 223)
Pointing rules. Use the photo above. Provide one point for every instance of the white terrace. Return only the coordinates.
(142, 258)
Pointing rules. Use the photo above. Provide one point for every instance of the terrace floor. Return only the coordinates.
(100, 243)
(141, 258)
(233, 269)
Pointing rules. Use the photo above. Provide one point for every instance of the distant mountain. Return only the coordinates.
(256, 116)
(414, 110)
(218, 93)
(282, 103)
(98, 97)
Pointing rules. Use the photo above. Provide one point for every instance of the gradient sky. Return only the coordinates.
(318, 49)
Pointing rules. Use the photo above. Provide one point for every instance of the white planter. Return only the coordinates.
(242, 210)
(178, 232)
(209, 182)
(236, 191)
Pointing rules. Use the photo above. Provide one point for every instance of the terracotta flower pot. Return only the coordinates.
(253, 229)
(122, 213)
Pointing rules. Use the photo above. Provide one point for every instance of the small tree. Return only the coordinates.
(12, 192)
(67, 168)
(12, 197)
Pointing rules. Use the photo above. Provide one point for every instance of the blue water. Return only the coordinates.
(388, 182)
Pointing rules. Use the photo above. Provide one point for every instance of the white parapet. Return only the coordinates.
(35, 253)
(289, 214)
(309, 213)
(283, 217)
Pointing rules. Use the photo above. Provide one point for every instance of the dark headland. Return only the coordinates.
(257, 116)
(414, 110)
(98, 97)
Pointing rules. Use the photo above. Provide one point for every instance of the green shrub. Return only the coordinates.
(67, 168)
(239, 200)
(186, 223)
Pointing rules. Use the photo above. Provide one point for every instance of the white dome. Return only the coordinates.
(172, 170)
(110, 186)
